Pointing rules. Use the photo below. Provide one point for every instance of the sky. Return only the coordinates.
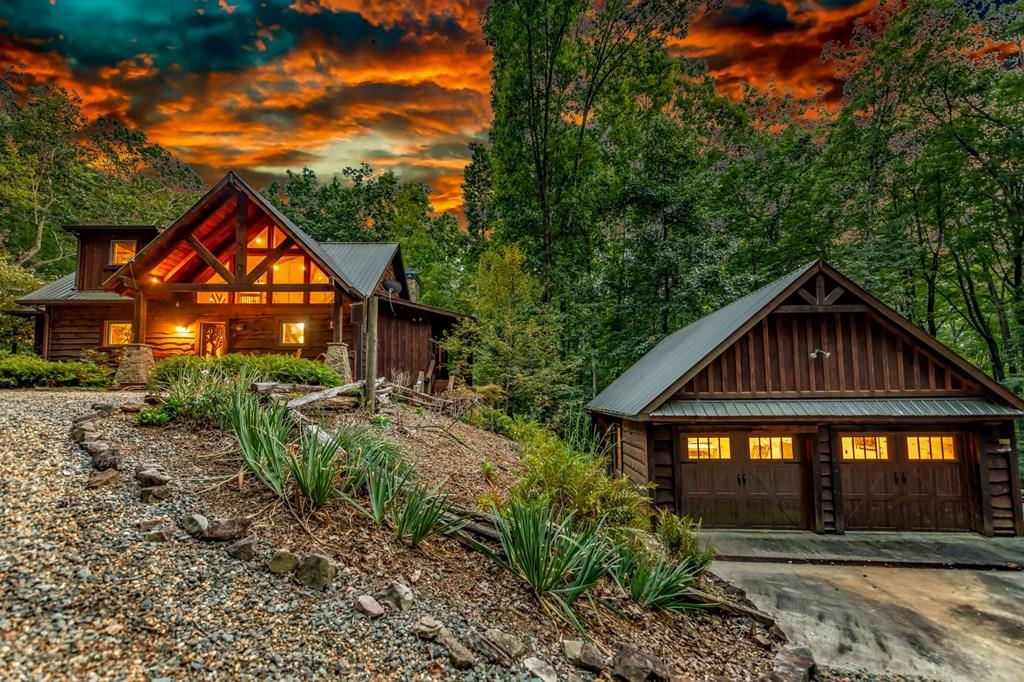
(261, 86)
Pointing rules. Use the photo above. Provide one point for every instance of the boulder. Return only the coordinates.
(794, 663)
(460, 657)
(282, 562)
(540, 669)
(150, 524)
(155, 493)
(244, 549)
(152, 476)
(584, 655)
(83, 432)
(427, 627)
(95, 447)
(132, 408)
(87, 418)
(102, 478)
(369, 606)
(108, 459)
(160, 533)
(195, 525)
(495, 646)
(398, 596)
(231, 528)
(105, 409)
(634, 665)
(315, 571)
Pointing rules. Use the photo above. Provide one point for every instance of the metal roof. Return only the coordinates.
(360, 263)
(679, 352)
(837, 407)
(64, 290)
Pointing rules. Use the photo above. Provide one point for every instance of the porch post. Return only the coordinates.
(139, 318)
(371, 353)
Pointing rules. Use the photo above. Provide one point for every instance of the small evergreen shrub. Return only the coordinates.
(284, 368)
(489, 470)
(153, 416)
(27, 371)
(680, 538)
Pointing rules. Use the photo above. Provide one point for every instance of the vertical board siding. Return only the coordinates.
(665, 466)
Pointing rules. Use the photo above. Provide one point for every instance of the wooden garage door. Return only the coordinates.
(742, 480)
(904, 481)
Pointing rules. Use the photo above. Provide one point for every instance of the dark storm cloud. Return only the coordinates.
(757, 16)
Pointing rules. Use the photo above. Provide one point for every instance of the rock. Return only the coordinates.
(151, 399)
(105, 409)
(283, 561)
(398, 596)
(95, 447)
(151, 477)
(195, 525)
(634, 665)
(368, 605)
(584, 655)
(102, 478)
(149, 524)
(109, 459)
(460, 657)
(495, 646)
(762, 639)
(315, 571)
(133, 408)
(155, 494)
(83, 432)
(244, 549)
(794, 663)
(227, 528)
(540, 669)
(155, 466)
(160, 534)
(777, 633)
(427, 627)
(87, 418)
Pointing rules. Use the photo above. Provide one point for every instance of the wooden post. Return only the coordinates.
(139, 318)
(336, 317)
(241, 212)
(371, 353)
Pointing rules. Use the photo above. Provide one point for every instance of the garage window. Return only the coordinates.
(707, 447)
(930, 447)
(865, 447)
(771, 447)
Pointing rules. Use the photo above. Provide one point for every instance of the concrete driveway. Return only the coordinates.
(937, 623)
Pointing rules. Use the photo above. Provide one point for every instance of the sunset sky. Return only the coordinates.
(261, 86)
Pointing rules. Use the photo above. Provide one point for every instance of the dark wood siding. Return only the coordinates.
(867, 357)
(76, 328)
(666, 466)
(1001, 476)
(94, 253)
(634, 451)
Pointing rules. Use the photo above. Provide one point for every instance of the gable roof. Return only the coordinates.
(64, 289)
(654, 377)
(361, 263)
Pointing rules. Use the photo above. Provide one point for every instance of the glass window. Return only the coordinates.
(293, 333)
(213, 296)
(121, 251)
(251, 261)
(771, 447)
(930, 447)
(117, 333)
(707, 447)
(259, 240)
(318, 276)
(289, 270)
(865, 447)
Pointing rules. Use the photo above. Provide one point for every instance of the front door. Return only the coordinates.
(904, 481)
(213, 339)
(744, 480)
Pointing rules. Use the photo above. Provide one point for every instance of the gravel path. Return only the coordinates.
(84, 596)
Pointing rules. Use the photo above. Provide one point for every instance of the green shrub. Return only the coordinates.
(153, 416)
(420, 513)
(380, 421)
(262, 435)
(383, 484)
(558, 561)
(24, 371)
(680, 538)
(315, 467)
(490, 419)
(198, 395)
(285, 368)
(653, 582)
(578, 483)
(489, 470)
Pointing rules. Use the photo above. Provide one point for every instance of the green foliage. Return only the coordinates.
(653, 582)
(420, 513)
(314, 467)
(283, 368)
(380, 421)
(262, 435)
(490, 419)
(25, 371)
(680, 538)
(16, 333)
(383, 485)
(153, 416)
(198, 396)
(559, 560)
(489, 470)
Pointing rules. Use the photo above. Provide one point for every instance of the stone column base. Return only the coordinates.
(337, 359)
(136, 365)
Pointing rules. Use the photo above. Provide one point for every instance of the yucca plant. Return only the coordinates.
(383, 485)
(314, 467)
(653, 582)
(262, 435)
(421, 513)
(558, 562)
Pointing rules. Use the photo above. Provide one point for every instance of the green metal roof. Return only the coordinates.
(837, 407)
(679, 352)
(360, 263)
(64, 289)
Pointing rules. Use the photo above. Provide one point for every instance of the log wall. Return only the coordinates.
(75, 328)
(634, 451)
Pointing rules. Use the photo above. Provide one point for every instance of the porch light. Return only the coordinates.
(181, 329)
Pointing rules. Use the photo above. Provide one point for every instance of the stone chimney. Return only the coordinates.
(413, 281)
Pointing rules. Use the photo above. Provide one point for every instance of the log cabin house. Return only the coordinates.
(234, 275)
(810, 404)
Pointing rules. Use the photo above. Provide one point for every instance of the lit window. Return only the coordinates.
(121, 251)
(293, 333)
(771, 447)
(930, 447)
(707, 447)
(318, 276)
(117, 333)
(865, 447)
(259, 240)
(212, 296)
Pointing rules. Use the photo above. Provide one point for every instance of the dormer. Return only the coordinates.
(102, 249)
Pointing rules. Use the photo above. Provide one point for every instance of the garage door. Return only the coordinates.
(904, 482)
(744, 480)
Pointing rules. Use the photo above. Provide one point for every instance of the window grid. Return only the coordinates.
(930, 448)
(865, 447)
(122, 251)
(707, 447)
(117, 333)
(771, 447)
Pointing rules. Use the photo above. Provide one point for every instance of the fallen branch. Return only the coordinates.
(268, 387)
(347, 389)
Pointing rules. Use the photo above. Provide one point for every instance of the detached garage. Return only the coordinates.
(810, 404)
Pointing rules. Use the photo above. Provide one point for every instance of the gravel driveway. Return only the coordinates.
(85, 597)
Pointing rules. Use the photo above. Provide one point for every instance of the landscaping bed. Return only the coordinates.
(151, 609)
